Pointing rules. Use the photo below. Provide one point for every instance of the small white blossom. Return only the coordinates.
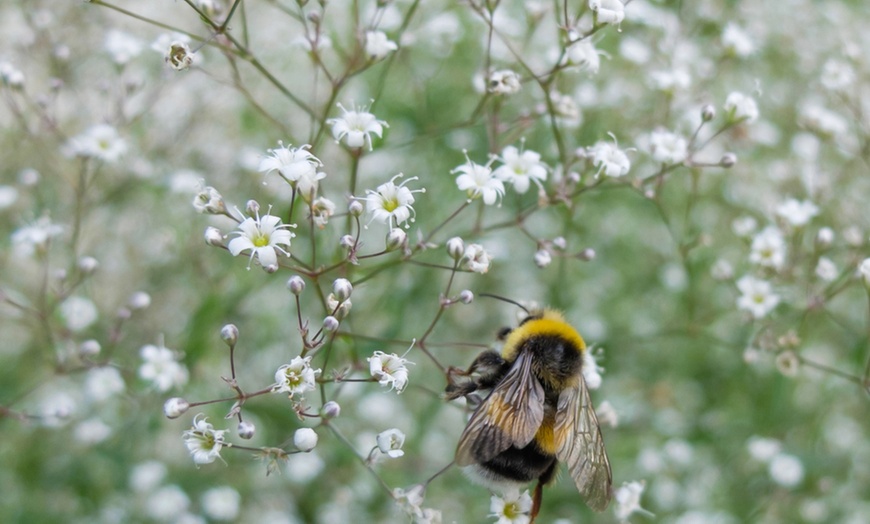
(179, 56)
(627, 498)
(342, 289)
(265, 237)
(455, 248)
(203, 441)
(591, 370)
(92, 431)
(146, 476)
(392, 204)
(864, 271)
(757, 296)
(340, 308)
(378, 46)
(221, 503)
(825, 237)
(740, 107)
(768, 248)
(797, 213)
(103, 383)
(167, 504)
(305, 439)
(543, 258)
(478, 181)
(566, 109)
(837, 75)
(512, 508)
(583, 54)
(823, 121)
(297, 377)
(34, 238)
(607, 11)
(161, 367)
(292, 163)
(763, 449)
(520, 167)
(736, 41)
(8, 196)
(786, 470)
(476, 259)
(356, 127)
(100, 141)
(826, 269)
(78, 313)
(57, 409)
(322, 210)
(390, 442)
(609, 159)
(121, 46)
(744, 226)
(11, 75)
(504, 82)
(788, 363)
(389, 370)
(722, 270)
(209, 200)
(668, 148)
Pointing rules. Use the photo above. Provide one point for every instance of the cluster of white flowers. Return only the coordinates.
(160, 367)
(519, 168)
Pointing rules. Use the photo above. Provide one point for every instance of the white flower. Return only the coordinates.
(667, 147)
(291, 162)
(591, 370)
(609, 159)
(378, 46)
(607, 11)
(295, 377)
(823, 121)
(740, 107)
(864, 271)
(391, 204)
(57, 409)
(565, 108)
(321, 210)
(543, 258)
(203, 441)
(103, 383)
(837, 75)
(78, 313)
(161, 367)
(121, 46)
(786, 470)
(179, 56)
(583, 54)
(8, 196)
(768, 248)
(520, 167)
(167, 504)
(92, 431)
(757, 296)
(305, 439)
(478, 181)
(34, 238)
(390, 442)
(356, 127)
(264, 236)
(476, 258)
(826, 269)
(504, 82)
(146, 476)
(736, 41)
(175, 407)
(11, 75)
(722, 270)
(627, 499)
(221, 503)
(209, 200)
(744, 226)
(797, 213)
(100, 141)
(389, 370)
(513, 508)
(763, 449)
(308, 183)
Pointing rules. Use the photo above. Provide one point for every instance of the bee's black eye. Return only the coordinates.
(503, 333)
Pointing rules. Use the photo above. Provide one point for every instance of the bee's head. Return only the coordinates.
(556, 347)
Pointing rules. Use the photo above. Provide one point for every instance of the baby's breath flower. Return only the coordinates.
(100, 141)
(543, 258)
(230, 334)
(825, 237)
(396, 238)
(331, 410)
(512, 508)
(740, 107)
(744, 226)
(667, 147)
(264, 237)
(305, 439)
(122, 47)
(356, 127)
(519, 167)
(209, 200)
(330, 323)
(504, 82)
(297, 377)
(864, 271)
(321, 210)
(768, 248)
(390, 442)
(591, 370)
(478, 181)
(786, 470)
(378, 46)
(389, 370)
(296, 285)
(627, 499)
(34, 238)
(476, 258)
(736, 41)
(175, 407)
(160, 366)
(582, 53)
(391, 204)
(246, 430)
(609, 159)
(826, 269)
(179, 55)
(221, 504)
(788, 363)
(203, 441)
(797, 213)
(291, 162)
(466, 296)
(455, 248)
(756, 297)
(607, 11)
(342, 289)
(213, 236)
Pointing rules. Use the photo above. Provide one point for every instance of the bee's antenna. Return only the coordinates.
(509, 301)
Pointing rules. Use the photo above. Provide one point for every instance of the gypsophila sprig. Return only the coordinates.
(390, 369)
(296, 378)
(263, 237)
(609, 159)
(478, 181)
(756, 296)
(512, 508)
(520, 167)
(160, 367)
(203, 441)
(292, 163)
(378, 46)
(356, 126)
(390, 442)
(391, 204)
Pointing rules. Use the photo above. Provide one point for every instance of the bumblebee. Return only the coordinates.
(537, 413)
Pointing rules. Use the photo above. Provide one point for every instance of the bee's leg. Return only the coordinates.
(536, 501)
(488, 365)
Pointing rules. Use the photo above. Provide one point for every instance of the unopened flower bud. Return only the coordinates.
(330, 324)
(587, 254)
(396, 238)
(355, 208)
(139, 300)
(455, 248)
(124, 313)
(543, 258)
(466, 296)
(708, 112)
(88, 265)
(89, 348)
(213, 236)
(305, 439)
(728, 160)
(230, 334)
(560, 242)
(271, 268)
(246, 430)
(296, 285)
(60, 275)
(252, 208)
(175, 407)
(342, 288)
(347, 241)
(331, 410)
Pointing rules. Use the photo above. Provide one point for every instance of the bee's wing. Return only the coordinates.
(510, 415)
(581, 447)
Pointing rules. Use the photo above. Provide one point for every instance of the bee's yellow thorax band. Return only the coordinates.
(551, 323)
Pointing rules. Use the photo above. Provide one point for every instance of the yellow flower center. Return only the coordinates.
(512, 510)
(390, 204)
(261, 240)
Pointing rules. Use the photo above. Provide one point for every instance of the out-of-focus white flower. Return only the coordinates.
(757, 296)
(823, 121)
(736, 41)
(744, 226)
(566, 109)
(476, 259)
(520, 167)
(825, 237)
(722, 270)
(390, 442)
(160, 366)
(92, 431)
(100, 141)
(864, 271)
(512, 508)
(504, 82)
(389, 370)
(265, 237)
(166, 504)
(34, 238)
(609, 159)
(11, 75)
(740, 107)
(297, 377)
(627, 499)
(607, 11)
(763, 449)
(478, 181)
(392, 204)
(837, 75)
(146, 476)
(209, 200)
(356, 127)
(788, 363)
(667, 147)
(411, 499)
(221, 503)
(57, 409)
(786, 470)
(607, 415)
(8, 196)
(179, 56)
(797, 213)
(321, 210)
(670, 80)
(583, 54)
(591, 370)
(378, 46)
(826, 269)
(305, 439)
(768, 248)
(78, 313)
(103, 383)
(203, 441)
(292, 163)
(122, 47)
(543, 258)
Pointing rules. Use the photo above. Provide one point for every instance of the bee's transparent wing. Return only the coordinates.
(510, 415)
(582, 448)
